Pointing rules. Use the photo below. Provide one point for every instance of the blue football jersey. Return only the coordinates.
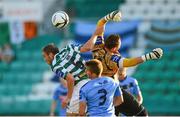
(130, 84)
(58, 92)
(98, 95)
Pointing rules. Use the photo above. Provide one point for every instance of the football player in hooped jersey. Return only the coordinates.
(107, 52)
(100, 94)
(69, 65)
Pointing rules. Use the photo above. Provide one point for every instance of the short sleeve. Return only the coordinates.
(118, 92)
(116, 61)
(82, 96)
(61, 72)
(55, 95)
(75, 47)
(99, 43)
(137, 90)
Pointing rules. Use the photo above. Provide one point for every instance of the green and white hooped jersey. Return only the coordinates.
(69, 60)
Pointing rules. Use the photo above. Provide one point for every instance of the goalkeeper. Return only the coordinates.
(107, 52)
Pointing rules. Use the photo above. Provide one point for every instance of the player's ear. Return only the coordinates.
(113, 49)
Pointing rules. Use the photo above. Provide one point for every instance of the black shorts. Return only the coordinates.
(130, 106)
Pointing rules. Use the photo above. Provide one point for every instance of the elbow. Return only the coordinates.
(140, 101)
(72, 82)
(118, 101)
(140, 98)
(81, 114)
(121, 100)
(70, 79)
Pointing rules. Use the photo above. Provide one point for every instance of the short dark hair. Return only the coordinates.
(112, 41)
(50, 48)
(95, 66)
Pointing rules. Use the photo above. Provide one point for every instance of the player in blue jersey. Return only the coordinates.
(130, 84)
(58, 95)
(100, 94)
(69, 65)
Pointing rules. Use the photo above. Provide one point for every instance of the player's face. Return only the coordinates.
(115, 49)
(47, 58)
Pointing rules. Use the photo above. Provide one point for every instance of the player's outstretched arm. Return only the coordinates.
(70, 87)
(113, 16)
(155, 54)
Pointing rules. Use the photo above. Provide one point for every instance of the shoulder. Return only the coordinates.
(132, 79)
(99, 40)
(55, 60)
(73, 45)
(86, 86)
(110, 80)
(115, 58)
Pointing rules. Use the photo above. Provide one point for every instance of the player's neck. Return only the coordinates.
(122, 77)
(93, 76)
(108, 50)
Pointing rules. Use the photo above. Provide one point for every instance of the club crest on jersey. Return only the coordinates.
(68, 57)
(64, 55)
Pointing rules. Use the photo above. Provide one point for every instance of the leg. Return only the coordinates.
(130, 106)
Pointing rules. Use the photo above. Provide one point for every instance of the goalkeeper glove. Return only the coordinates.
(155, 54)
(114, 16)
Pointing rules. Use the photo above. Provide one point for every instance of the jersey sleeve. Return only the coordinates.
(137, 90)
(99, 43)
(60, 71)
(55, 95)
(116, 61)
(82, 96)
(118, 92)
(75, 47)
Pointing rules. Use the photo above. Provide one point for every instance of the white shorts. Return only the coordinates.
(73, 106)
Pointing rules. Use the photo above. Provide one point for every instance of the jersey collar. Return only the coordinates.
(123, 79)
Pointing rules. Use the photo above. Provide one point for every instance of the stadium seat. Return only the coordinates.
(9, 78)
(93, 9)
(3, 67)
(35, 106)
(17, 79)
(4, 33)
(23, 55)
(6, 104)
(3, 90)
(16, 65)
